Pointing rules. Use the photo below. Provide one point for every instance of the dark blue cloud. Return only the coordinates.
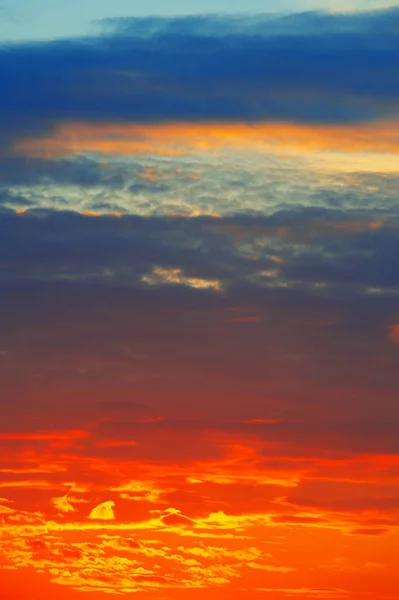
(312, 246)
(310, 67)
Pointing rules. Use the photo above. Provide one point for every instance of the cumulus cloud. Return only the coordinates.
(103, 512)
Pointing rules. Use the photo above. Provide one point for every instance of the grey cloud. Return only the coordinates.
(297, 248)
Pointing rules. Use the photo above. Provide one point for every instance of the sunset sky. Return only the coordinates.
(199, 300)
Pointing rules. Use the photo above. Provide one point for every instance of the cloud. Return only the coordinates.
(306, 23)
(327, 593)
(103, 512)
(141, 491)
(356, 505)
(212, 552)
(173, 518)
(185, 69)
(62, 504)
(29, 484)
(160, 275)
(372, 531)
(317, 248)
(40, 436)
(65, 503)
(177, 140)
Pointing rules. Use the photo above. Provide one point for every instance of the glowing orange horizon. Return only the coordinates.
(241, 523)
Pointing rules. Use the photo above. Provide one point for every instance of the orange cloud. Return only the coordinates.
(139, 491)
(45, 435)
(29, 484)
(103, 512)
(115, 444)
(228, 523)
(180, 138)
(6, 510)
(63, 504)
(321, 593)
(394, 334)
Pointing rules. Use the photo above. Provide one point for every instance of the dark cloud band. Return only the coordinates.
(306, 68)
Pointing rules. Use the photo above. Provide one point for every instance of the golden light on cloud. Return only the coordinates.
(348, 147)
(234, 522)
(161, 275)
(140, 491)
(103, 512)
(311, 593)
(63, 504)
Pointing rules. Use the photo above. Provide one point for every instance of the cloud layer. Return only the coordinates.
(304, 68)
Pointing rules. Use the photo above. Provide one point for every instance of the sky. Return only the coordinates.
(52, 19)
(199, 300)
